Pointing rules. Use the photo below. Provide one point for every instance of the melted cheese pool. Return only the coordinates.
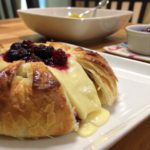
(94, 120)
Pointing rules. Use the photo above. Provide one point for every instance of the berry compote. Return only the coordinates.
(146, 30)
(77, 117)
(30, 52)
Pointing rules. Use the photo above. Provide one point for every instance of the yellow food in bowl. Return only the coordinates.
(76, 16)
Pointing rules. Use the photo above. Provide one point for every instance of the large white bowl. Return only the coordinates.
(54, 22)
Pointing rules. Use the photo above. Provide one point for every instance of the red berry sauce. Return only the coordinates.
(3, 57)
(77, 117)
(69, 55)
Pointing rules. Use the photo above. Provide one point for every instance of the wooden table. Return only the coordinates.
(14, 30)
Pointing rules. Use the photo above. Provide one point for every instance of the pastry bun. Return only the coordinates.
(34, 103)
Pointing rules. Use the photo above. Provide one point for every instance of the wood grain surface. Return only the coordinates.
(14, 30)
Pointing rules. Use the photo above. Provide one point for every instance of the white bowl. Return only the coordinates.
(138, 42)
(54, 22)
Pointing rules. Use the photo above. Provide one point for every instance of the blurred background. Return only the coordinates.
(24, 4)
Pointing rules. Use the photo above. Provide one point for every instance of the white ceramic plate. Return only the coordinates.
(131, 107)
(54, 22)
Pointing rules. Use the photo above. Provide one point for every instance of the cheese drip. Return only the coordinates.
(79, 88)
(94, 120)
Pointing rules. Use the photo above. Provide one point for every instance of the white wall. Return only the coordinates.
(23, 4)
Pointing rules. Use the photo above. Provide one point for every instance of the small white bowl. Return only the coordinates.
(54, 22)
(138, 42)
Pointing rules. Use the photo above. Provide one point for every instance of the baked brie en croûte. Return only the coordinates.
(52, 89)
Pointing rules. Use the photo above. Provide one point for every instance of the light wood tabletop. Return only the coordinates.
(14, 30)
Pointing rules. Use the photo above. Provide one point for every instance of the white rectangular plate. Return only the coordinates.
(131, 107)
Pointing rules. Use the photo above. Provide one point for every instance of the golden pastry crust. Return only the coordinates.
(33, 105)
(2, 49)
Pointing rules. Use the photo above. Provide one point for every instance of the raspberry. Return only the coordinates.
(59, 57)
(28, 42)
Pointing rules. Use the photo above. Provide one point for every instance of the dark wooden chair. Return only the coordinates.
(30, 4)
(5, 8)
(131, 6)
(119, 5)
(86, 2)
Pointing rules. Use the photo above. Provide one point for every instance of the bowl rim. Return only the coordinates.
(26, 11)
(129, 30)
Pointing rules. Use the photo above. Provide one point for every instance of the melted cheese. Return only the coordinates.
(26, 71)
(79, 88)
(98, 118)
(94, 120)
(86, 129)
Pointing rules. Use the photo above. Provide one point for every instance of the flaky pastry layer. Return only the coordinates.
(97, 68)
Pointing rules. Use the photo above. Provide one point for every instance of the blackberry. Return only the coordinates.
(32, 48)
(25, 46)
(12, 55)
(22, 53)
(59, 57)
(49, 50)
(36, 57)
(47, 61)
(31, 59)
(16, 46)
(27, 59)
(44, 51)
(40, 49)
